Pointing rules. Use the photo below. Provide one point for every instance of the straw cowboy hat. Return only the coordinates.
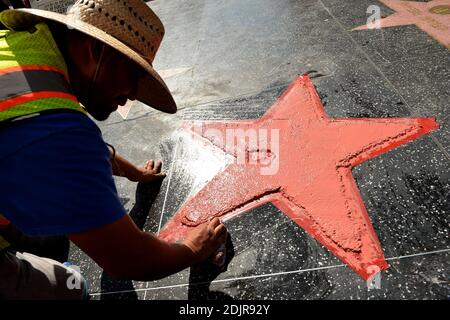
(129, 26)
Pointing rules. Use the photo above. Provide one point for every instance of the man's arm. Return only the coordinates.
(151, 171)
(125, 252)
(67, 188)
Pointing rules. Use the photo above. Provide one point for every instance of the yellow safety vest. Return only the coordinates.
(33, 79)
(33, 75)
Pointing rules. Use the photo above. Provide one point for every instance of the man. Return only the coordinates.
(55, 169)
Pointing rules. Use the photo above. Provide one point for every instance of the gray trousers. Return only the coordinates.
(27, 276)
(24, 276)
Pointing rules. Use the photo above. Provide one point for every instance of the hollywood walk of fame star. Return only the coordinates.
(313, 185)
(432, 17)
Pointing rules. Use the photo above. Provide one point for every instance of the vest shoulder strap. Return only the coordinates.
(33, 75)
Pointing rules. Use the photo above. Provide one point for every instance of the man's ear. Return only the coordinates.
(95, 49)
(82, 51)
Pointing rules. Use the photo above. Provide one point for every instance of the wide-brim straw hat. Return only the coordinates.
(129, 26)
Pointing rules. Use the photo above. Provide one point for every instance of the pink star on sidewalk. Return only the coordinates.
(432, 17)
(313, 185)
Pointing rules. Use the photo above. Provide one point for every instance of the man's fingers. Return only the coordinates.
(220, 230)
(157, 167)
(214, 223)
(161, 175)
(212, 226)
(153, 166)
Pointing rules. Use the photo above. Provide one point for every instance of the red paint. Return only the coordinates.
(425, 15)
(314, 185)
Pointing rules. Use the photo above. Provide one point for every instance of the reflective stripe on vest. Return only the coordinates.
(3, 221)
(22, 86)
(3, 243)
(33, 75)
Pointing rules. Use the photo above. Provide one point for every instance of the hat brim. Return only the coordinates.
(152, 89)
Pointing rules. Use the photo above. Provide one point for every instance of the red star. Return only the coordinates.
(432, 17)
(314, 185)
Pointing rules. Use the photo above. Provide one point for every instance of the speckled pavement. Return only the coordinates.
(232, 60)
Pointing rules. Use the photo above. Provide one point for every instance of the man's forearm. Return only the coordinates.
(158, 259)
(125, 252)
(122, 167)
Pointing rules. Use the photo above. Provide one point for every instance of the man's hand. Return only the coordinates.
(205, 239)
(151, 171)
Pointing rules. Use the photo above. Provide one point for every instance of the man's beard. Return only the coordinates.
(99, 113)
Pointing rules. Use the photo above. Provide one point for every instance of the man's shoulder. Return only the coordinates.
(73, 128)
(64, 174)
